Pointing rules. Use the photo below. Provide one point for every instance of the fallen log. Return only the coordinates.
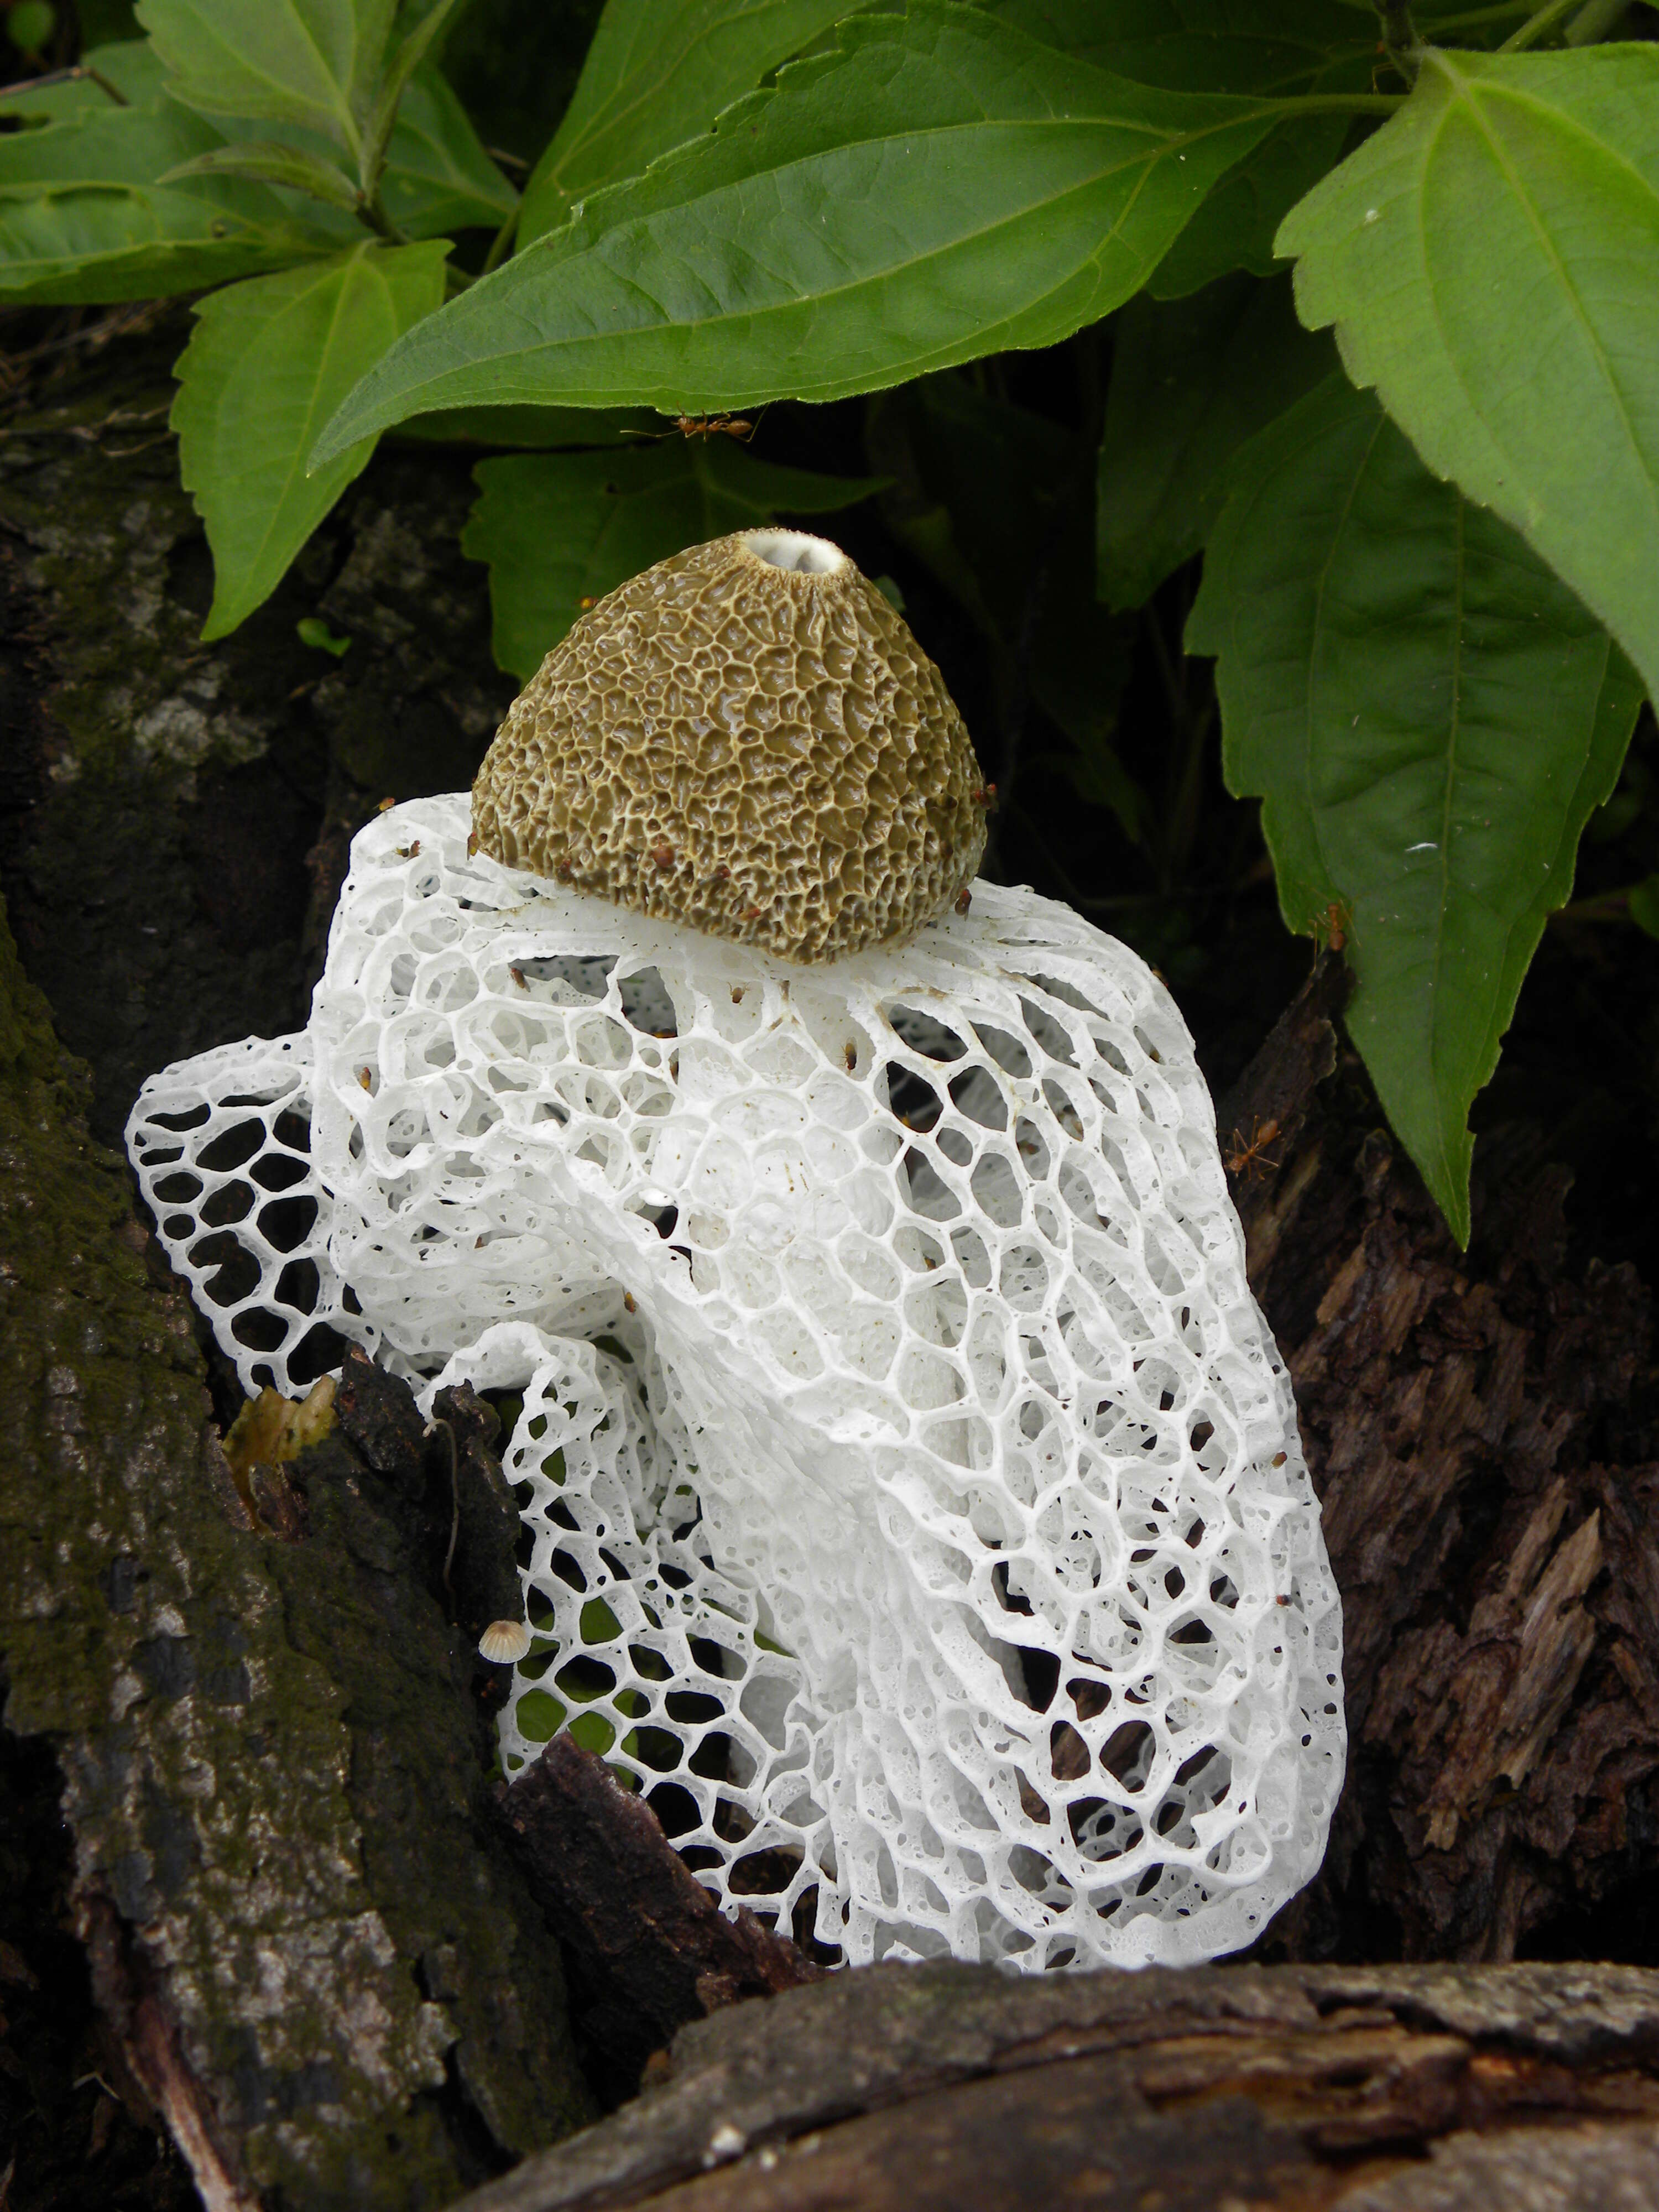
(1284, 2088)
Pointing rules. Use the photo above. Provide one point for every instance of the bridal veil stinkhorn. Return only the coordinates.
(917, 1504)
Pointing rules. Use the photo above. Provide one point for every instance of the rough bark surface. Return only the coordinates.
(174, 816)
(1478, 1428)
(1387, 2089)
(320, 1964)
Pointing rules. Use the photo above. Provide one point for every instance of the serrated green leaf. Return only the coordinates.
(1283, 47)
(103, 145)
(1429, 716)
(82, 217)
(1236, 226)
(558, 530)
(1191, 380)
(1243, 45)
(658, 73)
(89, 247)
(315, 62)
(1278, 47)
(1490, 259)
(437, 175)
(937, 188)
(268, 361)
(268, 163)
(1211, 45)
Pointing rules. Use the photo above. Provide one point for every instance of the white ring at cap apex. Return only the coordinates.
(794, 551)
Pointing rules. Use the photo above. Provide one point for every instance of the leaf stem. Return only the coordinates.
(499, 244)
(1400, 38)
(1543, 19)
(371, 209)
(1342, 103)
(1594, 19)
(71, 75)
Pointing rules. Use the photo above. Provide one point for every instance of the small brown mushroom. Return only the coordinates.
(748, 740)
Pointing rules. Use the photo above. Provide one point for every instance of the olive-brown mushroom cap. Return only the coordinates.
(757, 750)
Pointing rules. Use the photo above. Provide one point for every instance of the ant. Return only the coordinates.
(705, 426)
(1331, 930)
(1250, 1156)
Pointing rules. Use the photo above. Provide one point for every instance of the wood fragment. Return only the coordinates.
(647, 1947)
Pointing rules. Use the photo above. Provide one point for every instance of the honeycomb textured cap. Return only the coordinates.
(747, 740)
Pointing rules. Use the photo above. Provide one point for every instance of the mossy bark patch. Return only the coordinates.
(276, 1765)
(178, 813)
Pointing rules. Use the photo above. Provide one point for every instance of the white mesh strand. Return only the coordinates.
(918, 1508)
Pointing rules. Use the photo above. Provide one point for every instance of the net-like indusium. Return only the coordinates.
(918, 1509)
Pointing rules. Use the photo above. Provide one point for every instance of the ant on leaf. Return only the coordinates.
(706, 426)
(1331, 930)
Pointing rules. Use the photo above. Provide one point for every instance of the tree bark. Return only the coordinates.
(321, 1959)
(1479, 1429)
(1286, 2088)
(275, 1761)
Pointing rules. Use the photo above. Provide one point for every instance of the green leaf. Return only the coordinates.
(658, 73)
(560, 529)
(1430, 717)
(267, 363)
(1236, 226)
(315, 62)
(1242, 45)
(128, 65)
(942, 187)
(401, 66)
(1279, 47)
(270, 163)
(437, 175)
(1191, 381)
(30, 24)
(101, 146)
(82, 218)
(1490, 261)
(95, 246)
(313, 631)
(995, 501)
(539, 1715)
(1642, 901)
(1212, 45)
(532, 429)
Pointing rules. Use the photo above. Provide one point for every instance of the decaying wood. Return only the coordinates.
(1282, 2089)
(646, 1947)
(1466, 1418)
(320, 1963)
